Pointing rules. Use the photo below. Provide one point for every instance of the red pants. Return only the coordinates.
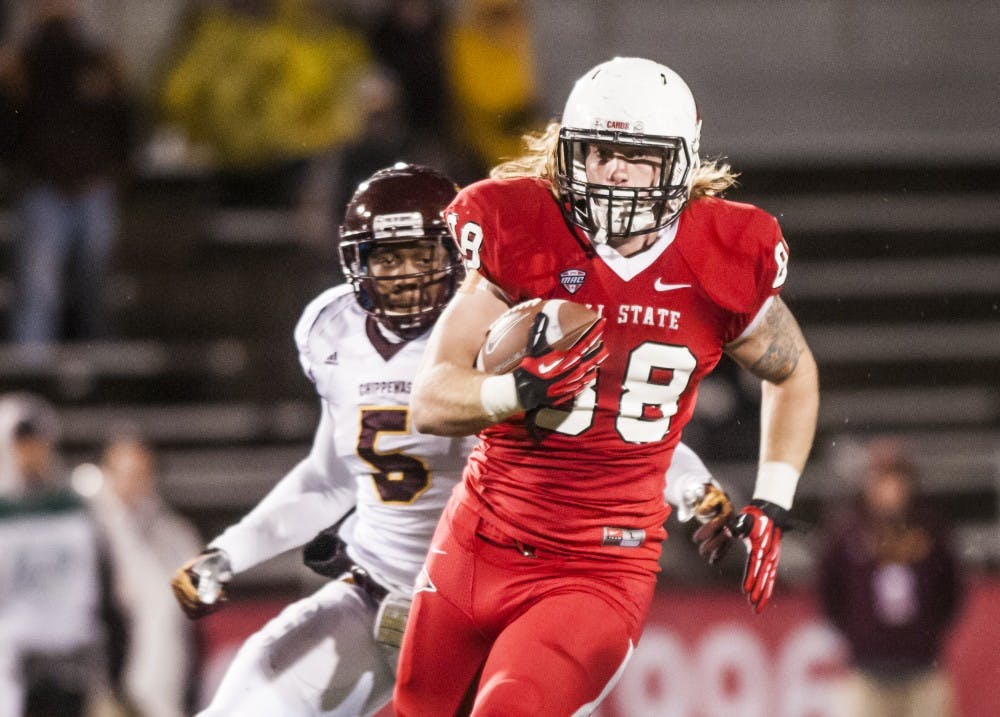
(551, 635)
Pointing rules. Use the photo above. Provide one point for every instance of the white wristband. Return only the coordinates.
(776, 481)
(498, 394)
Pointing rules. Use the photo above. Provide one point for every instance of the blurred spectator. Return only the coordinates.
(889, 582)
(408, 39)
(266, 86)
(70, 140)
(147, 540)
(56, 615)
(385, 139)
(491, 71)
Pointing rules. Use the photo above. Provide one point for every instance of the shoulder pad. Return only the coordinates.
(330, 303)
(497, 223)
(735, 250)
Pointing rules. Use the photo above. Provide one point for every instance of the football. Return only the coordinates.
(507, 338)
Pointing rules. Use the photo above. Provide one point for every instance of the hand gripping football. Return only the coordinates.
(507, 339)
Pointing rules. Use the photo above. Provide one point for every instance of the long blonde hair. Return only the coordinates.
(710, 178)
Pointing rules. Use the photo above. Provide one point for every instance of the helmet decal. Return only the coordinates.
(397, 225)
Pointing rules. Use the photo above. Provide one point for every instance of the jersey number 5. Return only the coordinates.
(398, 478)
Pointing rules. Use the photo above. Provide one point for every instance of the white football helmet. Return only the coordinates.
(636, 106)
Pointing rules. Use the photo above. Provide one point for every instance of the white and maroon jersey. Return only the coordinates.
(365, 454)
(403, 478)
(593, 480)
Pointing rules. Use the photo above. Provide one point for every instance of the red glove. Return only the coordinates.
(760, 525)
(549, 377)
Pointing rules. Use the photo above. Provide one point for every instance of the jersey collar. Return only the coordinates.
(628, 267)
(386, 348)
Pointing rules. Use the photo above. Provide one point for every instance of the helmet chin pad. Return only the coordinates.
(429, 292)
(623, 217)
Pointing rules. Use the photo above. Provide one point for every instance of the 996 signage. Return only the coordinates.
(730, 670)
(705, 654)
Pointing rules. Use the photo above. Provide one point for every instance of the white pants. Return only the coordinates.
(11, 683)
(317, 658)
(927, 695)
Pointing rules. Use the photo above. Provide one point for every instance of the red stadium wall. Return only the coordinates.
(704, 654)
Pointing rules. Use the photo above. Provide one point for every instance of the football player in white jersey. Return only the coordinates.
(359, 343)
(366, 500)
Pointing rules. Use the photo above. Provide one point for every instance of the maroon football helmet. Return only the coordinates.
(396, 250)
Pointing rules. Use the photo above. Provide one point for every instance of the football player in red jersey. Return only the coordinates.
(543, 565)
(382, 483)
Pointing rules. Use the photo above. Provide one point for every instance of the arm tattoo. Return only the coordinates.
(781, 334)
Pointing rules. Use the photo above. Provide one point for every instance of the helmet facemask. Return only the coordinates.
(407, 304)
(642, 113)
(608, 211)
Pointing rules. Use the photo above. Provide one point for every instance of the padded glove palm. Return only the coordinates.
(711, 507)
(200, 584)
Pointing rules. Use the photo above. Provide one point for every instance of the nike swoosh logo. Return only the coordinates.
(424, 584)
(660, 286)
(546, 367)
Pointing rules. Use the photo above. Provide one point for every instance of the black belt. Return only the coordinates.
(365, 581)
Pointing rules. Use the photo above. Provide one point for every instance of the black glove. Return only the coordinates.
(326, 554)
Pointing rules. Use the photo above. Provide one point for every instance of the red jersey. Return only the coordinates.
(591, 480)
